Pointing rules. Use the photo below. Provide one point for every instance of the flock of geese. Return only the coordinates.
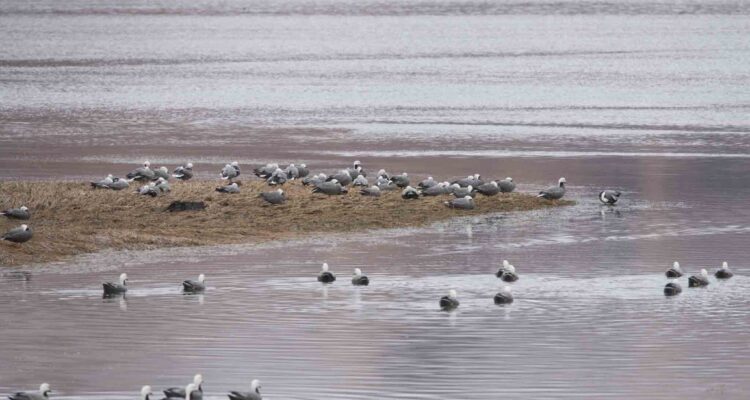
(156, 182)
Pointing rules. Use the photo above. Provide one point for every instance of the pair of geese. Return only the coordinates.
(193, 391)
(507, 273)
(19, 234)
(121, 286)
(673, 288)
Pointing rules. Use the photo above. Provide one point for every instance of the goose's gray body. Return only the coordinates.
(465, 203)
(275, 197)
(506, 185)
(149, 190)
(609, 197)
(342, 177)
(141, 174)
(489, 189)
(183, 172)
(279, 177)
(265, 171)
(103, 184)
(436, 190)
(231, 188)
(21, 234)
(554, 192)
(672, 289)
(360, 181)
(401, 181)
(303, 171)
(314, 180)
(161, 172)
(21, 213)
(330, 188)
(504, 296)
(427, 183)
(372, 191)
(463, 191)
(119, 184)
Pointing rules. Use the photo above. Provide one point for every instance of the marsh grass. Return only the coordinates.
(71, 218)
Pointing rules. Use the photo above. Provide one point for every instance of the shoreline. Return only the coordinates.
(71, 218)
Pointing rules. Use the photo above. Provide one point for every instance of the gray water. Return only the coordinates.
(651, 99)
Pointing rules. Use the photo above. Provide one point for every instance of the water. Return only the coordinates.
(651, 99)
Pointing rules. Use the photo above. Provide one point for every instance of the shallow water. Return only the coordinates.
(648, 99)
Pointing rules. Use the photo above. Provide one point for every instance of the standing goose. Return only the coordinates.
(401, 181)
(489, 189)
(699, 280)
(181, 393)
(427, 183)
(183, 172)
(143, 173)
(21, 234)
(504, 296)
(507, 185)
(409, 193)
(21, 213)
(43, 394)
(358, 279)
(116, 288)
(104, 183)
(554, 192)
(466, 203)
(303, 171)
(672, 288)
(609, 197)
(326, 276)
(292, 172)
(449, 302)
(253, 394)
(231, 188)
(372, 191)
(275, 197)
(191, 286)
(724, 272)
(675, 271)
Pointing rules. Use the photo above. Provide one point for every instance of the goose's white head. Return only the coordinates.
(189, 390)
(470, 188)
(429, 178)
(357, 163)
(303, 165)
(279, 191)
(452, 294)
(278, 171)
(446, 184)
(163, 169)
(44, 389)
(477, 176)
(255, 386)
(198, 378)
(123, 278)
(509, 179)
(291, 165)
(676, 266)
(235, 164)
(511, 269)
(493, 183)
(381, 172)
(404, 174)
(189, 165)
(725, 265)
(334, 181)
(469, 198)
(357, 272)
(704, 273)
(146, 164)
(562, 181)
(145, 392)
(506, 264)
(24, 227)
(234, 185)
(110, 176)
(24, 208)
(456, 186)
(201, 279)
(324, 268)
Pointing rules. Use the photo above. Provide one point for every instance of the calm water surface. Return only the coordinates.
(651, 99)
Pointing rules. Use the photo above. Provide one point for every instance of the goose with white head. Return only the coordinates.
(276, 197)
(672, 288)
(506, 185)
(465, 203)
(358, 279)
(699, 280)
(115, 288)
(183, 172)
(724, 272)
(103, 183)
(191, 286)
(42, 394)
(326, 276)
(609, 197)
(146, 393)
(253, 394)
(144, 173)
(231, 188)
(449, 302)
(509, 274)
(21, 234)
(181, 393)
(675, 271)
(554, 192)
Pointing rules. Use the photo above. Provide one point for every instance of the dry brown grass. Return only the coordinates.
(71, 218)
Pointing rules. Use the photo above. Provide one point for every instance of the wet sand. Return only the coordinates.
(72, 218)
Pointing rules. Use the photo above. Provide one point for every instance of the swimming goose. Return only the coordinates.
(699, 280)
(191, 286)
(449, 302)
(43, 394)
(672, 288)
(675, 271)
(180, 393)
(724, 272)
(253, 394)
(326, 276)
(509, 274)
(117, 288)
(358, 279)
(504, 296)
